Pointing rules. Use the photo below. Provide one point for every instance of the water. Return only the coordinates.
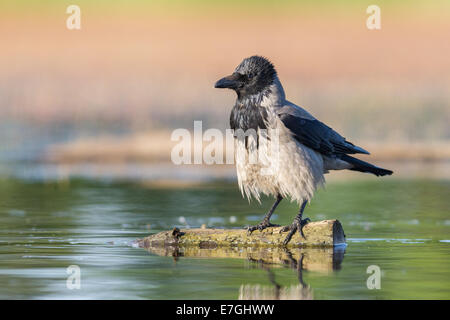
(401, 226)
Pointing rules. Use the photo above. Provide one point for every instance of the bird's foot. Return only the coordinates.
(297, 225)
(261, 226)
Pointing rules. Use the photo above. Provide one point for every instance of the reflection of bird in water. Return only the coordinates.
(306, 148)
(301, 291)
(321, 261)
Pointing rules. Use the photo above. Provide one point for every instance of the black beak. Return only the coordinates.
(230, 82)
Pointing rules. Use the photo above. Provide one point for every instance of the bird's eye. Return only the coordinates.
(251, 76)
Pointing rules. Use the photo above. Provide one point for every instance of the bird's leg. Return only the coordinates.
(266, 221)
(297, 224)
(300, 271)
(277, 286)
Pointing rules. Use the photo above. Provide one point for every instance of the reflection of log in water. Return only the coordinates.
(322, 260)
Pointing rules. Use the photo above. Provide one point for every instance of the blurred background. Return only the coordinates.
(102, 101)
(86, 118)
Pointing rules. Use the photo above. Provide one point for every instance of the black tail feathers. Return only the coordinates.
(362, 166)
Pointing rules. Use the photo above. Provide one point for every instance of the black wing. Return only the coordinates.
(318, 136)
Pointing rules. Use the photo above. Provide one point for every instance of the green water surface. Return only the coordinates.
(401, 226)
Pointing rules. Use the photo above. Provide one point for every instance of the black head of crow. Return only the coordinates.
(252, 76)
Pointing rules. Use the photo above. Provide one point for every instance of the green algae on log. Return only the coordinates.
(326, 233)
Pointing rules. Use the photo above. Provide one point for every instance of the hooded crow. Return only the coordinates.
(307, 148)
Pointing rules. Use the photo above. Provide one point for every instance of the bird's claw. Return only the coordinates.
(261, 226)
(297, 225)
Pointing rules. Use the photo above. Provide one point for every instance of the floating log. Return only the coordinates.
(327, 233)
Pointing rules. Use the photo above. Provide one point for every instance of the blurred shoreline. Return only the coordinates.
(104, 99)
(145, 158)
(170, 175)
(155, 147)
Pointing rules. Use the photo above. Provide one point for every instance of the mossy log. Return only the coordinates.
(327, 233)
